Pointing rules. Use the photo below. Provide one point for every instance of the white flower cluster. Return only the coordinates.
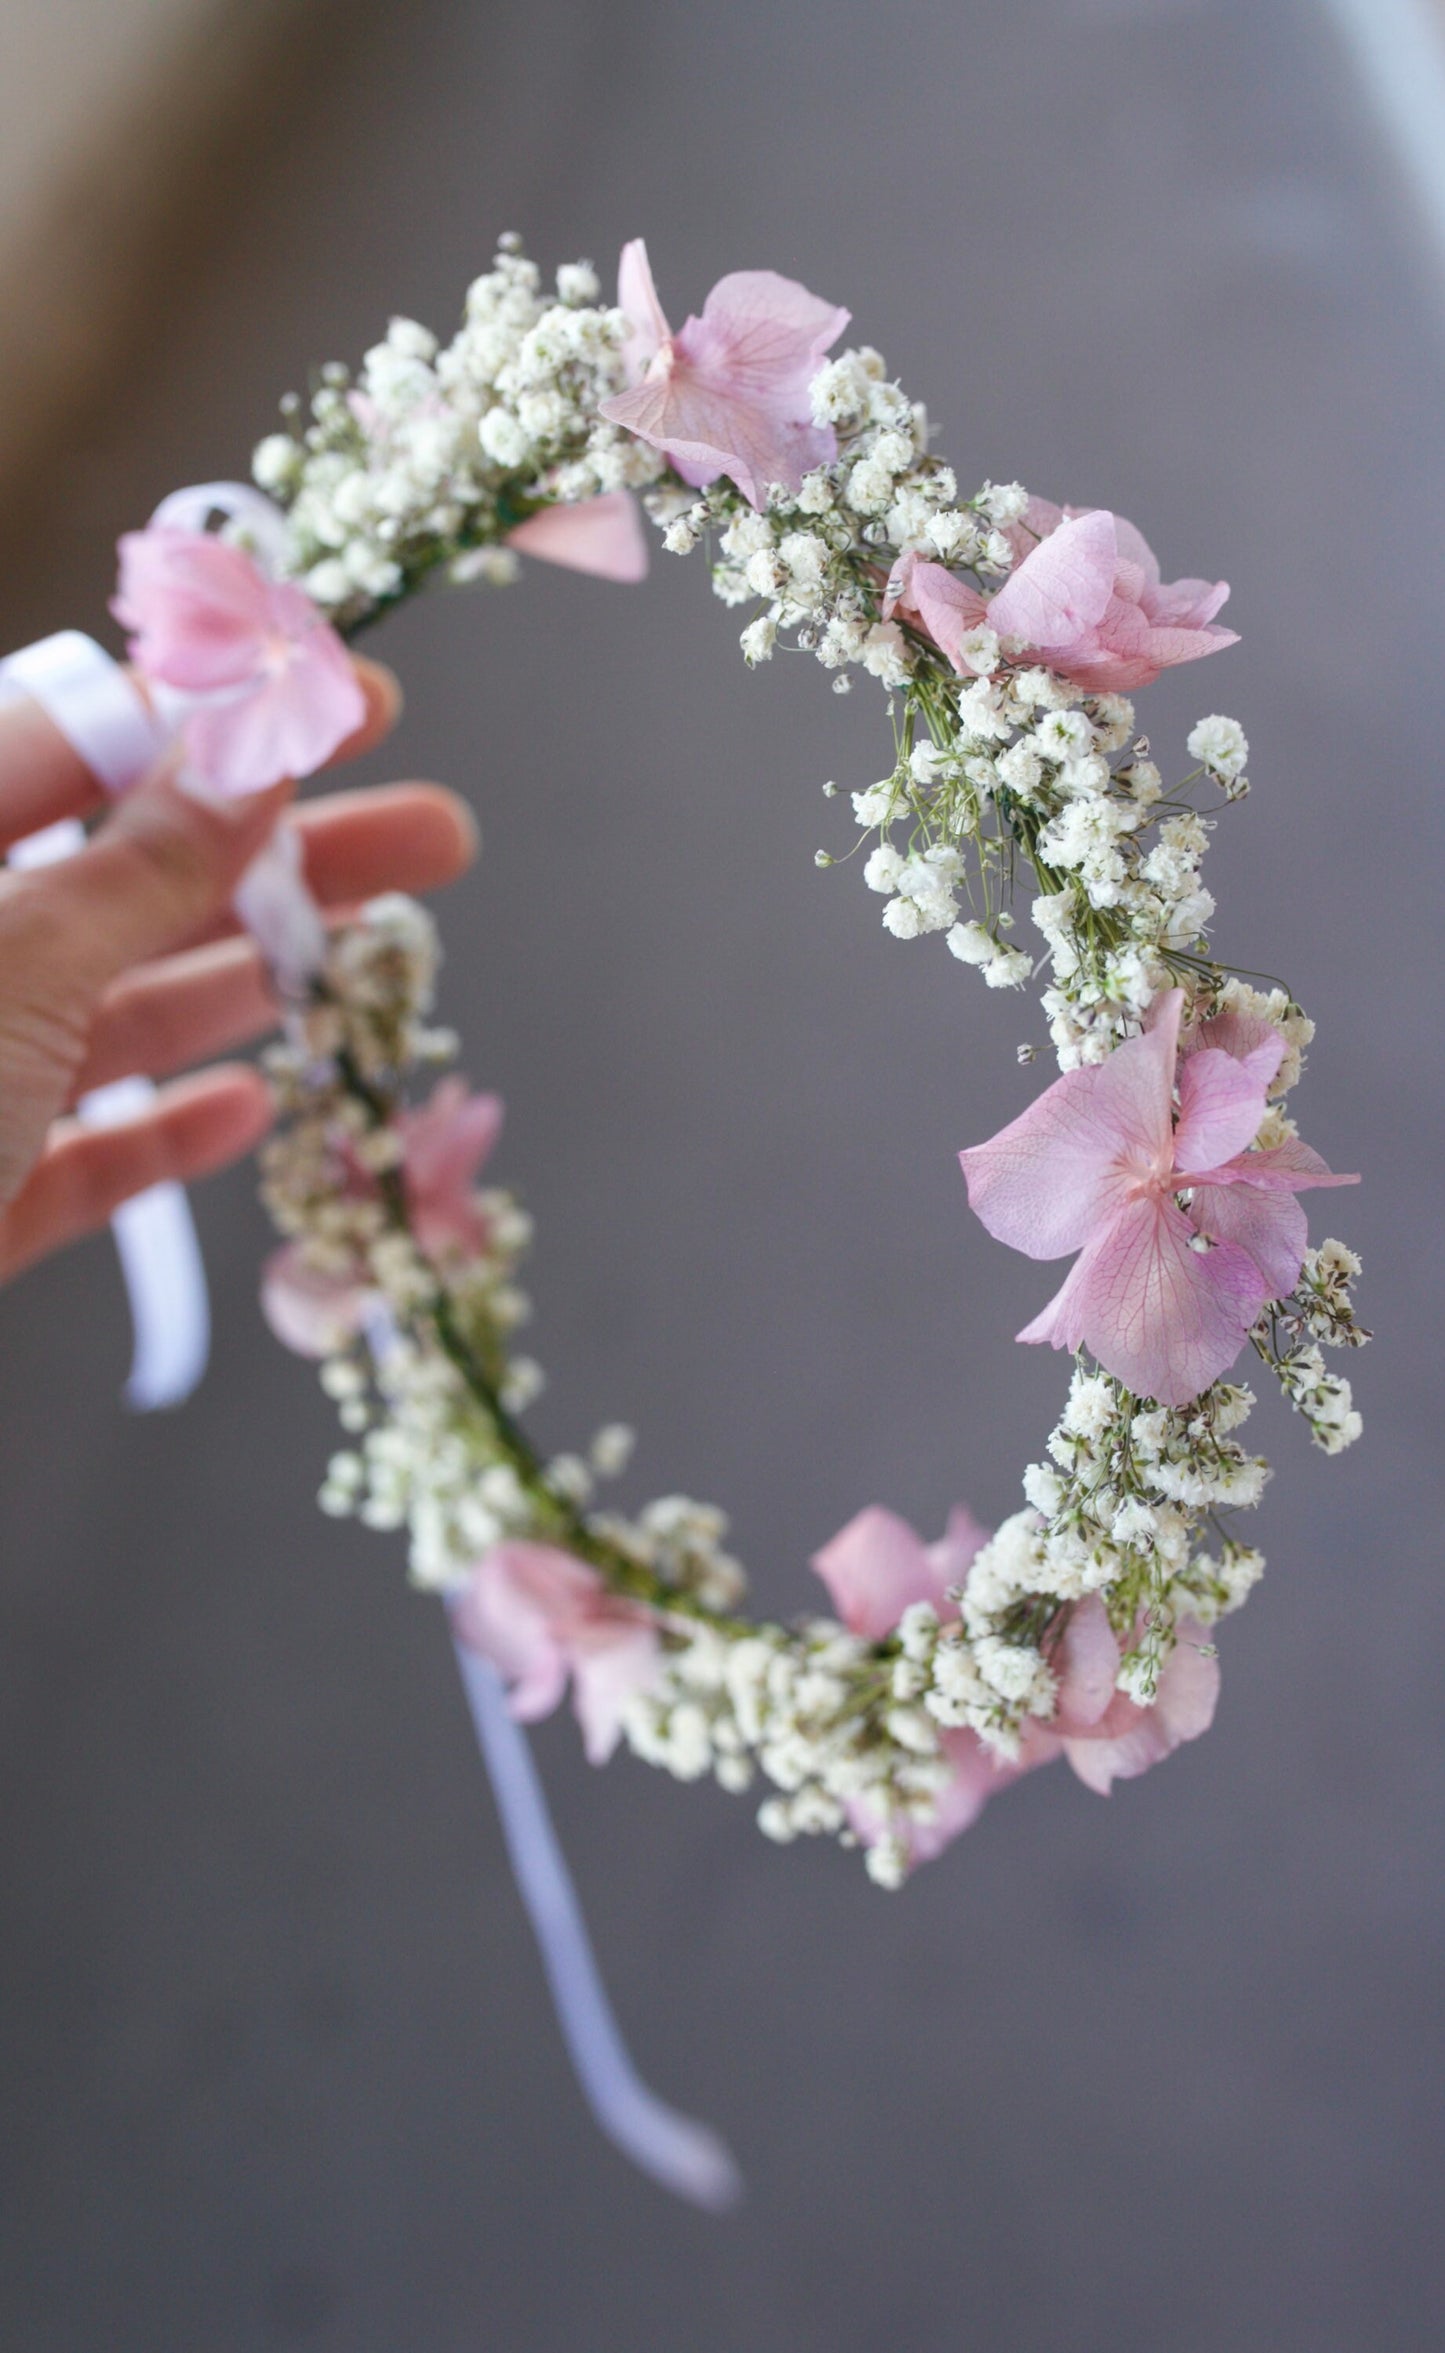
(428, 459)
(1293, 1335)
(834, 1727)
(817, 555)
(1024, 759)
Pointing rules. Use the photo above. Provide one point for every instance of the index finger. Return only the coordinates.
(43, 778)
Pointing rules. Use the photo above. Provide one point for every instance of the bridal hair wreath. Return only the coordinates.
(1022, 818)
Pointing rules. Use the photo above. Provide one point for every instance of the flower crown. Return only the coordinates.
(1009, 635)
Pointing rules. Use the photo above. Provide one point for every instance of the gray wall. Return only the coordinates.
(1159, 2072)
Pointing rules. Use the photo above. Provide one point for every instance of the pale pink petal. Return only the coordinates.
(313, 1313)
(517, 1607)
(1233, 1032)
(288, 724)
(605, 1676)
(1052, 600)
(1185, 604)
(197, 608)
(944, 608)
(602, 536)
(765, 334)
(1167, 648)
(1292, 1166)
(873, 1568)
(1050, 1180)
(1221, 1104)
(1134, 549)
(1163, 1316)
(976, 1774)
(539, 1615)
(1183, 1709)
(447, 1139)
(952, 1555)
(1271, 1227)
(637, 300)
(1086, 1662)
(728, 394)
(708, 429)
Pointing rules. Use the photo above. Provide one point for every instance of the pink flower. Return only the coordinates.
(444, 1144)
(540, 1616)
(729, 392)
(876, 1567)
(268, 687)
(602, 536)
(1161, 1296)
(1107, 1736)
(1085, 599)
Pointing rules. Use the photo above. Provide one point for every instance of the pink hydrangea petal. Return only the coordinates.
(1221, 1104)
(1099, 671)
(314, 1314)
(1086, 1661)
(637, 300)
(197, 608)
(874, 1568)
(539, 1615)
(1271, 1227)
(765, 334)
(605, 1677)
(944, 608)
(1232, 1032)
(602, 536)
(448, 1138)
(729, 393)
(951, 1557)
(708, 429)
(1184, 1708)
(287, 724)
(1048, 1182)
(1185, 604)
(976, 1774)
(1167, 648)
(1164, 1317)
(1292, 1166)
(1134, 549)
(1056, 595)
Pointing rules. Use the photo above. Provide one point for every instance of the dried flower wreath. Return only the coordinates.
(1009, 636)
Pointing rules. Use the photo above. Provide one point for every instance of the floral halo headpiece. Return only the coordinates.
(1009, 636)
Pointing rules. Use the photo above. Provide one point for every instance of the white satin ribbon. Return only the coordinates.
(95, 706)
(99, 712)
(686, 2157)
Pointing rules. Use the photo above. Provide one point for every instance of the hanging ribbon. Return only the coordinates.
(685, 2157)
(99, 711)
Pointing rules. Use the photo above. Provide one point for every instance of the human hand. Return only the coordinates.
(126, 958)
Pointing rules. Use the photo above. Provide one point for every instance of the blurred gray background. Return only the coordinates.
(1162, 2072)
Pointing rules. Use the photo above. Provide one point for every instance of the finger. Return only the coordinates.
(163, 864)
(43, 778)
(84, 1174)
(206, 1000)
(179, 1010)
(395, 837)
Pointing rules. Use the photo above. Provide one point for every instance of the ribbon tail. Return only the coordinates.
(165, 1274)
(279, 912)
(686, 2157)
